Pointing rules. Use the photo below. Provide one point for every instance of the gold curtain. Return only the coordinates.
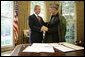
(24, 11)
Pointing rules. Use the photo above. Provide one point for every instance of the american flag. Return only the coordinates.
(15, 24)
(15, 28)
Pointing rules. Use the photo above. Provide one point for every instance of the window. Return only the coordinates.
(42, 5)
(68, 11)
(6, 24)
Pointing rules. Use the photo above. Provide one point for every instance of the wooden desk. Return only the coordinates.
(18, 52)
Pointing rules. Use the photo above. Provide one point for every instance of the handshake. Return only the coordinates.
(44, 28)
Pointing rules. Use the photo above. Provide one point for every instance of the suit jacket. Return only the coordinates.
(54, 33)
(35, 25)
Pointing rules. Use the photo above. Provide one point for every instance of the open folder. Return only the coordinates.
(66, 47)
(72, 46)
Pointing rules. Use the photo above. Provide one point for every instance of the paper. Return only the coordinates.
(39, 47)
(61, 47)
(48, 47)
(72, 46)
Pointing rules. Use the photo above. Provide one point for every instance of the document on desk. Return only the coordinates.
(72, 46)
(61, 47)
(37, 47)
(66, 47)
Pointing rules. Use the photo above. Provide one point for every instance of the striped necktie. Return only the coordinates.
(38, 18)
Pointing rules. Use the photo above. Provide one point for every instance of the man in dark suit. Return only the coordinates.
(56, 26)
(36, 26)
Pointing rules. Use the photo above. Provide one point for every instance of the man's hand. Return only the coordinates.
(44, 28)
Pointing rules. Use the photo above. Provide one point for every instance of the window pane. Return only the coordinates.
(68, 11)
(6, 23)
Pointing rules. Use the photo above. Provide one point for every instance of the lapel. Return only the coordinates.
(36, 19)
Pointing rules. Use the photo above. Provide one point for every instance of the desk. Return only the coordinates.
(18, 52)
